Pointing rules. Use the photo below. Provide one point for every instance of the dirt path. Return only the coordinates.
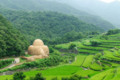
(16, 61)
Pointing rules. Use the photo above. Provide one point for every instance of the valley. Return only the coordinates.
(50, 40)
(90, 61)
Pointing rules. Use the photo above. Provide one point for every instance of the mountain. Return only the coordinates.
(47, 5)
(47, 25)
(108, 11)
(12, 43)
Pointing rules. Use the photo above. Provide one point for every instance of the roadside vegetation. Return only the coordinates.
(5, 63)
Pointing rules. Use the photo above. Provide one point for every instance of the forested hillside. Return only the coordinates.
(48, 25)
(109, 12)
(47, 5)
(12, 43)
(47, 40)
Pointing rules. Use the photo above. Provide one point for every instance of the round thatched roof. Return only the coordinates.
(38, 42)
(38, 50)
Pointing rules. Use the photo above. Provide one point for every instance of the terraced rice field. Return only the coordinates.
(88, 49)
(79, 60)
(106, 67)
(111, 74)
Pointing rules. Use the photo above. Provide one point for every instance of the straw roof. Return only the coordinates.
(38, 50)
(38, 42)
(46, 49)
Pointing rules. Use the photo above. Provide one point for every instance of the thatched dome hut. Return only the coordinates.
(38, 49)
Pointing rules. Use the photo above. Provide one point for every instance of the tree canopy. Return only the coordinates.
(12, 42)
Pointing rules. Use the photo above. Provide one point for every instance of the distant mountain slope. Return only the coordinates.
(12, 43)
(108, 11)
(47, 24)
(45, 5)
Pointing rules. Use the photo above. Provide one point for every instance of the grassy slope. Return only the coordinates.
(93, 69)
(60, 71)
(79, 60)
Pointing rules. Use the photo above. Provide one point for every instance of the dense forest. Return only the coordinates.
(48, 5)
(49, 26)
(12, 42)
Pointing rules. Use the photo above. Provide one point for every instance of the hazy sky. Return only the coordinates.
(109, 1)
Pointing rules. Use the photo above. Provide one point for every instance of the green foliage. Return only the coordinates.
(38, 77)
(12, 42)
(62, 70)
(51, 49)
(79, 60)
(72, 36)
(88, 61)
(52, 27)
(74, 77)
(95, 43)
(48, 5)
(72, 46)
(97, 56)
(19, 76)
(54, 78)
(114, 31)
(96, 66)
(4, 63)
(54, 60)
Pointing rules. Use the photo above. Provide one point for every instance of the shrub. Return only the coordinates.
(39, 77)
(95, 43)
(4, 63)
(19, 76)
(114, 31)
(72, 46)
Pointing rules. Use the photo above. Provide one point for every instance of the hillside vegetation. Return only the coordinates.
(49, 25)
(12, 42)
(79, 47)
(96, 58)
(47, 5)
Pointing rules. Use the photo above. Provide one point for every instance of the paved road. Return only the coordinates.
(16, 61)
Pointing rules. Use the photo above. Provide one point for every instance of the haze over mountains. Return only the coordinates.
(107, 9)
(48, 5)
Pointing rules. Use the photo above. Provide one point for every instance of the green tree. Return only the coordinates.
(19, 76)
(72, 46)
(95, 43)
(113, 31)
(39, 77)
(12, 42)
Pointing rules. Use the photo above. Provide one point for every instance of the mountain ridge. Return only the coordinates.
(45, 5)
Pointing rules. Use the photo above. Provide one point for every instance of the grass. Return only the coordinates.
(66, 46)
(96, 66)
(88, 61)
(102, 75)
(5, 77)
(60, 71)
(79, 60)
(88, 51)
(117, 75)
(94, 71)
(86, 73)
(111, 56)
(5, 63)
(111, 74)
